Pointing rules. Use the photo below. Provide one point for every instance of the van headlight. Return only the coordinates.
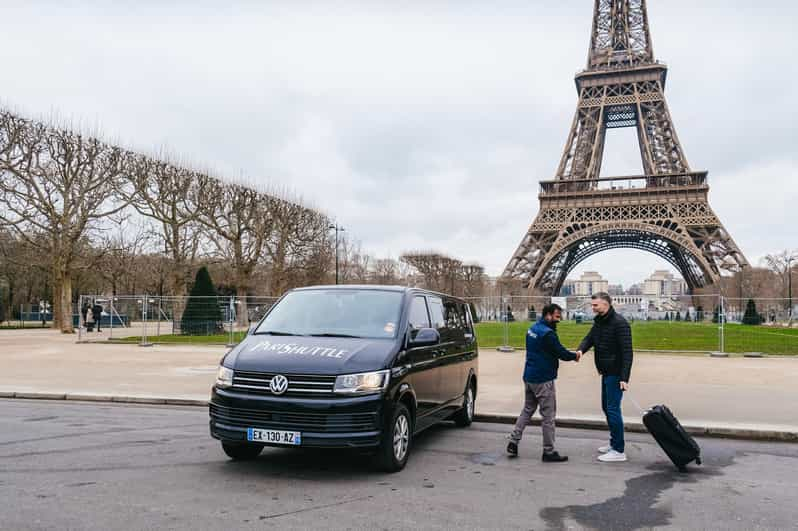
(224, 377)
(366, 382)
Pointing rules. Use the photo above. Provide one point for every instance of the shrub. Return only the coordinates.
(751, 317)
(202, 315)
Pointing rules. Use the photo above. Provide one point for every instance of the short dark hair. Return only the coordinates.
(549, 309)
(603, 296)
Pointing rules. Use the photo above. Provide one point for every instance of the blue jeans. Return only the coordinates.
(611, 396)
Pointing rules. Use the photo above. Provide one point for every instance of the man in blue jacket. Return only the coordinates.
(543, 354)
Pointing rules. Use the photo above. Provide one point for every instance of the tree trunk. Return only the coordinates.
(66, 304)
(242, 313)
(57, 310)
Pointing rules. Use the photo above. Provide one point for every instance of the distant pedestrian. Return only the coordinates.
(611, 339)
(543, 354)
(89, 318)
(97, 313)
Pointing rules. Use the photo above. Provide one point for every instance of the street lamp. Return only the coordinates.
(789, 285)
(337, 228)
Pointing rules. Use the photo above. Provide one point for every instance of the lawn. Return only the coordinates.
(663, 335)
(646, 335)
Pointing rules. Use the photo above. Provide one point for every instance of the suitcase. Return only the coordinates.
(670, 435)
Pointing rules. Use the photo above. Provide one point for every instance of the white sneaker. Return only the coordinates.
(612, 456)
(604, 449)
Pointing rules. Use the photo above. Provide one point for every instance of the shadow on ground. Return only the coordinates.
(636, 507)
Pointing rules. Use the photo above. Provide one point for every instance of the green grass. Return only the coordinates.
(650, 335)
(662, 335)
(217, 339)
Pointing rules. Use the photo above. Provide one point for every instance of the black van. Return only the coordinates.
(348, 367)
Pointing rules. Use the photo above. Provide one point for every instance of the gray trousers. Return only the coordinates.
(543, 396)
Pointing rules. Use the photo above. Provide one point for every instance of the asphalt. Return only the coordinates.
(112, 466)
(734, 397)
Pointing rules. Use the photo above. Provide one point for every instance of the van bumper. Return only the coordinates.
(336, 422)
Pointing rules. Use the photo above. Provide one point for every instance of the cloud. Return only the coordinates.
(422, 126)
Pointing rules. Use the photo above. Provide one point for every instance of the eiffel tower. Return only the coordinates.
(665, 211)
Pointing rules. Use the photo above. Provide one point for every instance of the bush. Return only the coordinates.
(202, 315)
(678, 316)
(751, 317)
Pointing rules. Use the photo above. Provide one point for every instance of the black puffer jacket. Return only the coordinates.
(611, 337)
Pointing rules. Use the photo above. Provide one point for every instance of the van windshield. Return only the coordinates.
(335, 312)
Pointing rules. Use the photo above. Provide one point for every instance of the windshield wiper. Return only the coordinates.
(333, 335)
(276, 333)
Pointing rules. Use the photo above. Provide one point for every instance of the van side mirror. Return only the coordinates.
(251, 329)
(425, 337)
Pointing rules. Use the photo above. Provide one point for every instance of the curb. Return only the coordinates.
(720, 432)
(106, 398)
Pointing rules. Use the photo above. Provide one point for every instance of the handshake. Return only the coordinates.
(579, 355)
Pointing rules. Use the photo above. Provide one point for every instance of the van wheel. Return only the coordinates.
(465, 416)
(397, 436)
(242, 452)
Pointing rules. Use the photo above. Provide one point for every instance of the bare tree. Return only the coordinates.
(440, 272)
(297, 244)
(474, 279)
(167, 194)
(59, 185)
(239, 222)
(784, 264)
(386, 271)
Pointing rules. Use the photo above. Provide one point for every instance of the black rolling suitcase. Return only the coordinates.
(670, 435)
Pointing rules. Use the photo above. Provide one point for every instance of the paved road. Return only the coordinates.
(90, 466)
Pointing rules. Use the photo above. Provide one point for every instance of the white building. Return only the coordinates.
(589, 283)
(662, 286)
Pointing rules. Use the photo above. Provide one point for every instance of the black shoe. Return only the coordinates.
(512, 449)
(554, 457)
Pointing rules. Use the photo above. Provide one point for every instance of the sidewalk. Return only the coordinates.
(729, 393)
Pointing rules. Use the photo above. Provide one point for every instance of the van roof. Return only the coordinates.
(375, 287)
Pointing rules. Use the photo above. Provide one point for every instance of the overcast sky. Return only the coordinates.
(418, 125)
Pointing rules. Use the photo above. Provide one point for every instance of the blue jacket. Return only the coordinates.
(543, 353)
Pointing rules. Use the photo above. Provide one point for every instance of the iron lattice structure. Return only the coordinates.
(665, 211)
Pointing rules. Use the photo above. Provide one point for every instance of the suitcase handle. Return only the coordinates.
(634, 402)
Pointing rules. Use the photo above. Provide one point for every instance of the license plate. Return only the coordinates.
(291, 438)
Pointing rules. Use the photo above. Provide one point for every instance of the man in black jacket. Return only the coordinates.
(611, 339)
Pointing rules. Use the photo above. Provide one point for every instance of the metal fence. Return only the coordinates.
(689, 323)
(36, 315)
(147, 319)
(706, 323)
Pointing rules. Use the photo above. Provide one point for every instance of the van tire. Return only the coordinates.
(399, 430)
(242, 452)
(465, 415)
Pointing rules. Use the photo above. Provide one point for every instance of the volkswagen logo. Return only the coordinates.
(278, 384)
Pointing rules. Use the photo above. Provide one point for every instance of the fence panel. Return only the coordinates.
(148, 319)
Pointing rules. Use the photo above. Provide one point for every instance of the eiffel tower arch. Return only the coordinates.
(665, 211)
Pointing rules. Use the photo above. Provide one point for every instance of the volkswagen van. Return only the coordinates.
(365, 367)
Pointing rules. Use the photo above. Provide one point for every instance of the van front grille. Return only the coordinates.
(300, 385)
(294, 421)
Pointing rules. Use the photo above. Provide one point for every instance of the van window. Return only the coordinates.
(454, 315)
(418, 318)
(346, 312)
(436, 313)
(455, 320)
(468, 320)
